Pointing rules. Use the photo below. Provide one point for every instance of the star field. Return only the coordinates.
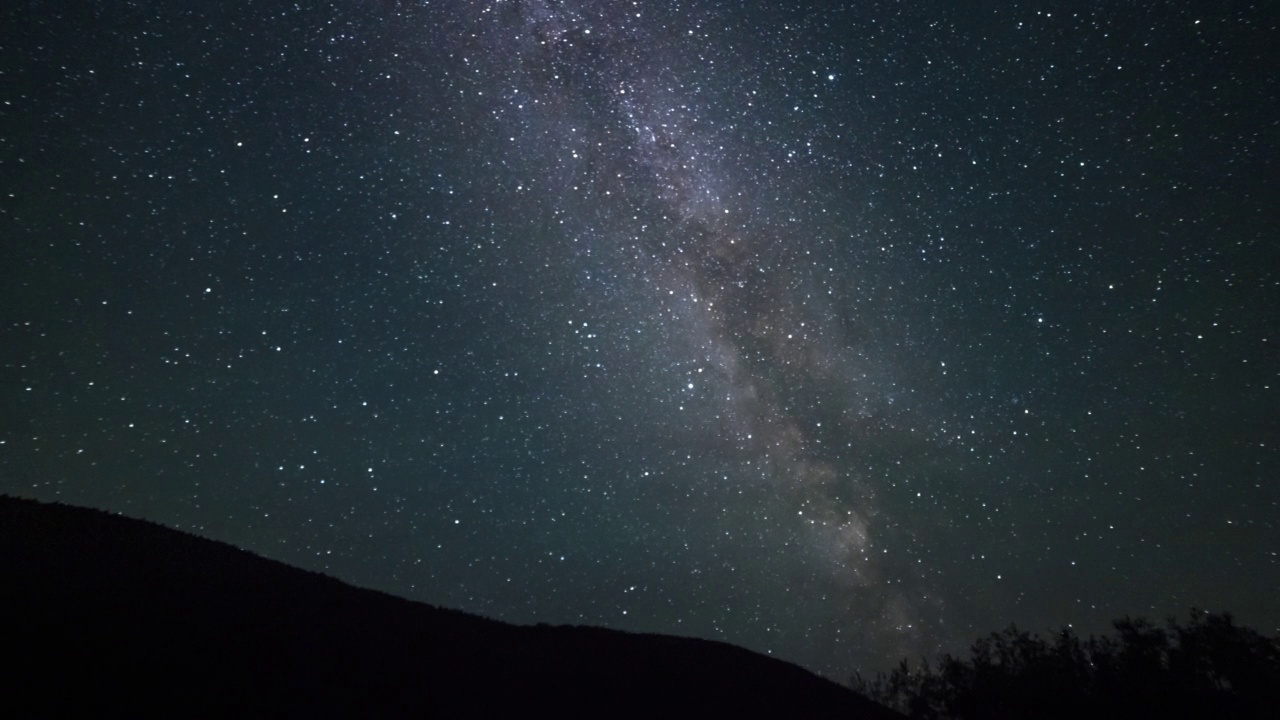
(843, 332)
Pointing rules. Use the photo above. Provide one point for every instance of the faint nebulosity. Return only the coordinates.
(841, 331)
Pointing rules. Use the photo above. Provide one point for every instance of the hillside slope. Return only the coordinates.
(127, 618)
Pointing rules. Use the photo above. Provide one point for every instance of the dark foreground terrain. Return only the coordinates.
(108, 616)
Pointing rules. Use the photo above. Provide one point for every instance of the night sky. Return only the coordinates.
(839, 331)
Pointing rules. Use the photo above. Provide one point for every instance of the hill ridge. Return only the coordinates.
(130, 617)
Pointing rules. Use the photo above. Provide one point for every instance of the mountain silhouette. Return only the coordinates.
(114, 617)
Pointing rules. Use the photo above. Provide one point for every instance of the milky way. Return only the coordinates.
(739, 282)
(841, 332)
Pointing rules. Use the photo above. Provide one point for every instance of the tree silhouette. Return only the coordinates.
(1209, 667)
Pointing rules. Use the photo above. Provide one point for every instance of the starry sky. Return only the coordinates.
(839, 331)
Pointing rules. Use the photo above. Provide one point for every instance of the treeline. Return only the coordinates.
(1208, 667)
